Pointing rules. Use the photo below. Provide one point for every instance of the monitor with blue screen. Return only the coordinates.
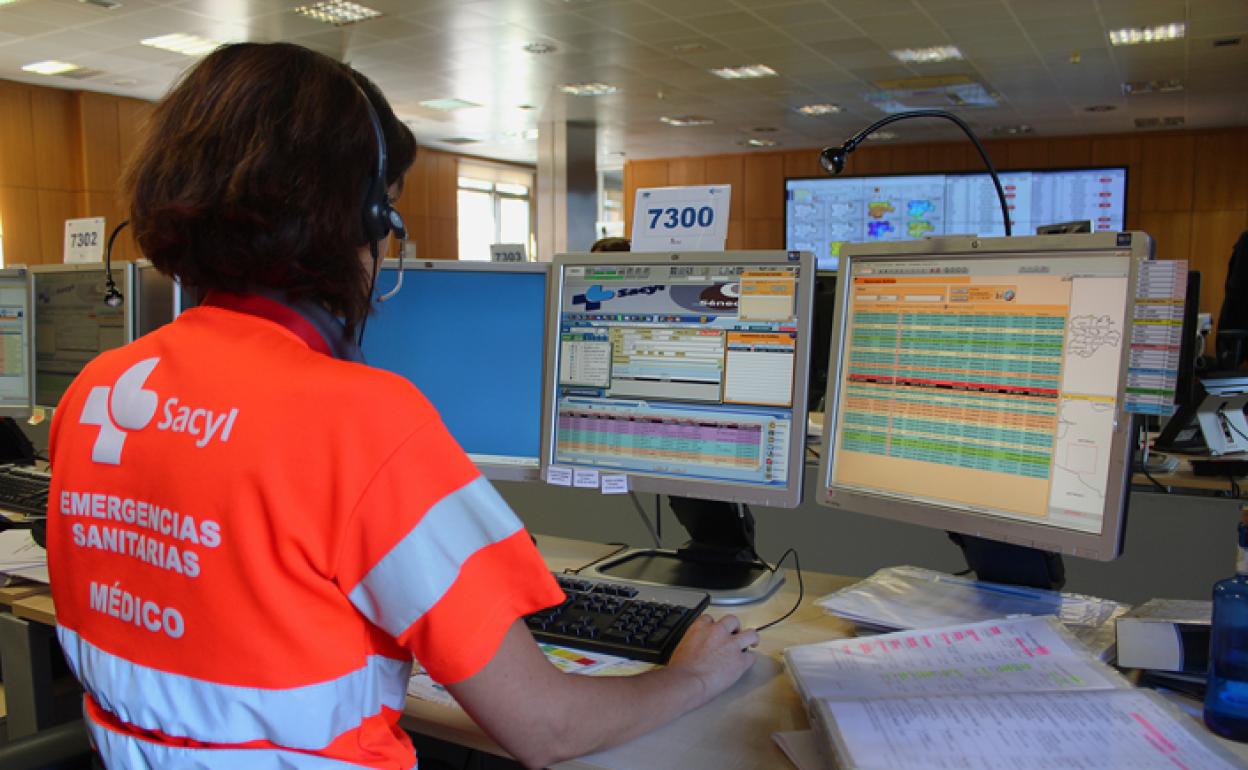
(471, 337)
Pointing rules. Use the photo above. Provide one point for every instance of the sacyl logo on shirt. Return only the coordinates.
(128, 406)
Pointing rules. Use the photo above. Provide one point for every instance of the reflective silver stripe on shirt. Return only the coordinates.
(125, 751)
(409, 580)
(306, 717)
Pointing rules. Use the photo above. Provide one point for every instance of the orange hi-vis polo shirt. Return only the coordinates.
(250, 539)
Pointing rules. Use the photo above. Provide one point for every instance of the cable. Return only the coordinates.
(1227, 422)
(372, 286)
(801, 588)
(622, 547)
(658, 515)
(1162, 488)
(641, 513)
(398, 283)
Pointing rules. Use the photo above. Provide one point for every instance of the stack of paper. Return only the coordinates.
(21, 557)
(1016, 693)
(912, 597)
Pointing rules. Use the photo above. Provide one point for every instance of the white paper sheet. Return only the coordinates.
(21, 557)
(1033, 731)
(1020, 655)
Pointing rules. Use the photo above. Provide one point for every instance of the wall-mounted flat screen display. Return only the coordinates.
(821, 215)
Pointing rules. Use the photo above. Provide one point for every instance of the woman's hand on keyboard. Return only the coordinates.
(716, 652)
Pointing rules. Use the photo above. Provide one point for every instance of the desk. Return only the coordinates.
(25, 650)
(733, 731)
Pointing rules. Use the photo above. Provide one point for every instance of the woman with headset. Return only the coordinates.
(251, 533)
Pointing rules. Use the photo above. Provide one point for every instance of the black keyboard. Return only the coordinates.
(639, 622)
(24, 490)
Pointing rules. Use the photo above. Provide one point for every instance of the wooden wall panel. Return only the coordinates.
(952, 156)
(132, 117)
(639, 174)
(17, 136)
(764, 234)
(912, 159)
(1028, 153)
(1166, 173)
(722, 169)
(1171, 231)
(59, 163)
(100, 134)
(444, 187)
(19, 224)
(763, 195)
(1221, 165)
(687, 171)
(55, 206)
(802, 163)
(1069, 151)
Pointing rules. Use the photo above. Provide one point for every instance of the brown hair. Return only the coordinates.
(253, 175)
(611, 244)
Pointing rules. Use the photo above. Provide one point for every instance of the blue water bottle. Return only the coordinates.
(1226, 700)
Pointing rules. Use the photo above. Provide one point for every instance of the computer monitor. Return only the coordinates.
(155, 298)
(685, 372)
(977, 384)
(15, 336)
(471, 337)
(71, 324)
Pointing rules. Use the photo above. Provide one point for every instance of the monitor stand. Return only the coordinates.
(718, 559)
(1017, 565)
(1212, 424)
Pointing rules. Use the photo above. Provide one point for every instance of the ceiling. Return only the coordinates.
(1043, 62)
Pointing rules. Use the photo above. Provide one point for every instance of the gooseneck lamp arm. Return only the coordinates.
(832, 159)
(112, 297)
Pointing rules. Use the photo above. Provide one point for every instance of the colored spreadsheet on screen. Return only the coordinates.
(985, 384)
(678, 370)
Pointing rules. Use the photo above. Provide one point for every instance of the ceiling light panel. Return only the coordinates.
(187, 45)
(687, 120)
(929, 55)
(1137, 35)
(448, 105)
(746, 71)
(819, 109)
(588, 89)
(339, 13)
(50, 67)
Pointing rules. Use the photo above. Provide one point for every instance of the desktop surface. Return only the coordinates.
(979, 388)
(471, 338)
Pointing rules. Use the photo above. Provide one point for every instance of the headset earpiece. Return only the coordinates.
(379, 217)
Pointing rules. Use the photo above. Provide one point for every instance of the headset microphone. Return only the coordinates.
(112, 296)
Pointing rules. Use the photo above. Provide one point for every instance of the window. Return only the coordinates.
(494, 207)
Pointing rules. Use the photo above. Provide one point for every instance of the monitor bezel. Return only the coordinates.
(779, 497)
(492, 471)
(136, 292)
(1102, 546)
(21, 275)
(1126, 186)
(127, 290)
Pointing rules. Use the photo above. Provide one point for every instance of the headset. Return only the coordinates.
(379, 218)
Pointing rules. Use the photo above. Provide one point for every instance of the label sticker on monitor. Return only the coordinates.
(615, 484)
(560, 477)
(585, 478)
(1156, 337)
